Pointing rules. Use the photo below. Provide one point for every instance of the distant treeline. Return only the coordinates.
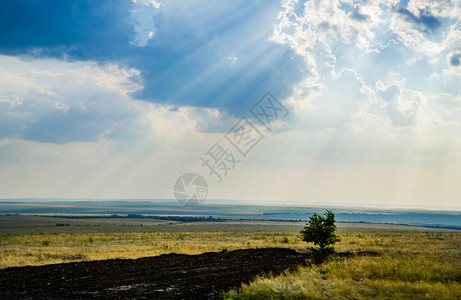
(140, 216)
(176, 218)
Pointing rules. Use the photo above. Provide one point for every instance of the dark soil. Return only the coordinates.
(168, 276)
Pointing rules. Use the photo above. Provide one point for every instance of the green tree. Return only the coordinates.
(321, 231)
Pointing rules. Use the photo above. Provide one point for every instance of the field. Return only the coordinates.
(27, 240)
(410, 266)
(412, 262)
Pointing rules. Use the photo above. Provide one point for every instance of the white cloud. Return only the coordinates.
(336, 37)
(370, 98)
(439, 8)
(400, 105)
(142, 17)
(49, 100)
(233, 60)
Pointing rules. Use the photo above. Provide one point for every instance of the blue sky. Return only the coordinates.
(118, 98)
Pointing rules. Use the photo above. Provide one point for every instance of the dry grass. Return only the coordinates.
(42, 248)
(411, 266)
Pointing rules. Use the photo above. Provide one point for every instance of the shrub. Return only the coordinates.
(321, 231)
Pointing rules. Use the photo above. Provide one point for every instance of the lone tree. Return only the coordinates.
(321, 231)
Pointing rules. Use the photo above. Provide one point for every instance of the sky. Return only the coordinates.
(338, 102)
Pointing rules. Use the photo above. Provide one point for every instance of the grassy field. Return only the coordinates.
(410, 266)
(29, 240)
(414, 263)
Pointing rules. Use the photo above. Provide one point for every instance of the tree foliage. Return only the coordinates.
(321, 231)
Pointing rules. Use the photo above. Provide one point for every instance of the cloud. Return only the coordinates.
(335, 105)
(359, 16)
(454, 58)
(440, 8)
(426, 28)
(400, 105)
(142, 16)
(233, 60)
(383, 79)
(82, 29)
(324, 22)
(424, 19)
(61, 102)
(191, 65)
(53, 101)
(182, 55)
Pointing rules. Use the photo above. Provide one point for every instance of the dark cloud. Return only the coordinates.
(455, 58)
(186, 63)
(79, 29)
(190, 65)
(425, 20)
(356, 15)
